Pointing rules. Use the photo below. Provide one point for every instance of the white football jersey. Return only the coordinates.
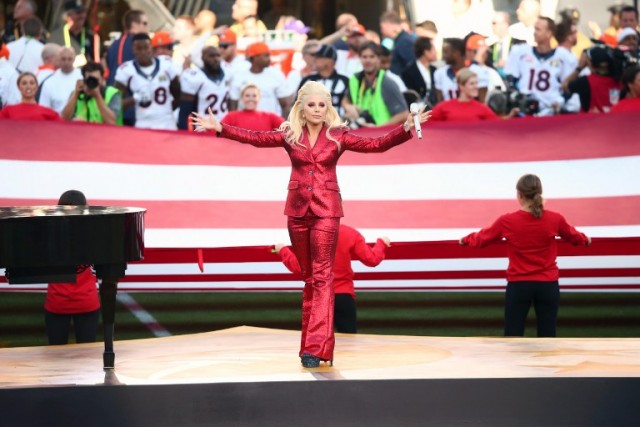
(445, 80)
(210, 93)
(151, 84)
(540, 75)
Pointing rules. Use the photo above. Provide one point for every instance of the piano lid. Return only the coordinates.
(7, 212)
(45, 243)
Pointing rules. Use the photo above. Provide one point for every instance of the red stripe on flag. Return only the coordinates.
(445, 249)
(506, 141)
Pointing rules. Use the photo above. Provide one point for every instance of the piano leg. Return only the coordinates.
(108, 290)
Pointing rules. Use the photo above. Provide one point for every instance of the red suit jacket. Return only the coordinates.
(313, 183)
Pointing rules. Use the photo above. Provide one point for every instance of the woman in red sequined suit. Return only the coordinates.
(314, 138)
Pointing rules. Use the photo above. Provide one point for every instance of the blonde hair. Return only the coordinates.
(295, 124)
(529, 186)
(250, 86)
(463, 75)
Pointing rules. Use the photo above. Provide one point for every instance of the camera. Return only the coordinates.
(91, 82)
(365, 117)
(502, 102)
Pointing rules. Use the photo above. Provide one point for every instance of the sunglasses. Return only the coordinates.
(224, 45)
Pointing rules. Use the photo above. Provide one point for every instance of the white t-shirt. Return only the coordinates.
(9, 93)
(347, 64)
(239, 63)
(540, 75)
(58, 88)
(152, 83)
(43, 73)
(445, 80)
(26, 54)
(214, 94)
(272, 84)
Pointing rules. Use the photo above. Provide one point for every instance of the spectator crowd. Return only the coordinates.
(538, 66)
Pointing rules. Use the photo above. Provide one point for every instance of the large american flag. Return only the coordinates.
(204, 193)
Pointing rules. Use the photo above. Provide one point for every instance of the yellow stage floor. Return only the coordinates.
(248, 354)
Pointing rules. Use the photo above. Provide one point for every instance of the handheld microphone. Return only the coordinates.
(414, 109)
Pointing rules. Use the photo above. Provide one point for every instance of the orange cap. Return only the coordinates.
(475, 41)
(257, 48)
(161, 38)
(229, 37)
(357, 30)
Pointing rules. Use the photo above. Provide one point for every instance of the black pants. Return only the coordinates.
(545, 297)
(344, 317)
(85, 326)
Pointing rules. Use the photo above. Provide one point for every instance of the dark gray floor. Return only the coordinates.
(545, 402)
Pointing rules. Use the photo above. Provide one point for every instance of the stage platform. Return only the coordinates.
(252, 376)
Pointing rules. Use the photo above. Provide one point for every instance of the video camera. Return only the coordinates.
(365, 117)
(502, 102)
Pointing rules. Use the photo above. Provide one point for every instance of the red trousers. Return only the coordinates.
(314, 241)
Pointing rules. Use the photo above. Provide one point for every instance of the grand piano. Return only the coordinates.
(45, 244)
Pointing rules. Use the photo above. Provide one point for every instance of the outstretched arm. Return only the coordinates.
(256, 138)
(397, 136)
(369, 256)
(289, 259)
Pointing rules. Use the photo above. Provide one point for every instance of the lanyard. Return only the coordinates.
(67, 38)
(123, 39)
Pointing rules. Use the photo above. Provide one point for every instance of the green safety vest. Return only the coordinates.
(369, 100)
(89, 111)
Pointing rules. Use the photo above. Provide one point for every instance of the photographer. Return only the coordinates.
(92, 101)
(595, 89)
(373, 98)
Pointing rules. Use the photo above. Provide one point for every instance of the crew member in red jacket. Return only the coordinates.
(351, 245)
(77, 302)
(314, 139)
(532, 274)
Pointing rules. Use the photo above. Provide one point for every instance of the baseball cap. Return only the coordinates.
(297, 26)
(228, 37)
(326, 51)
(357, 30)
(475, 41)
(626, 32)
(161, 38)
(257, 48)
(598, 56)
(75, 5)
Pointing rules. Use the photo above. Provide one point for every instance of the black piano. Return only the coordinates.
(45, 244)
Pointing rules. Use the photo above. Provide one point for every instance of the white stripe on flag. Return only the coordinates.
(603, 177)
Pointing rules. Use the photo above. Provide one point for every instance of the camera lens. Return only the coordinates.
(91, 82)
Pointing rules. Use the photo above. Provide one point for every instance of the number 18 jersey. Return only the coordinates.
(540, 74)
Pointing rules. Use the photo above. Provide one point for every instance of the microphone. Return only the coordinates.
(414, 108)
